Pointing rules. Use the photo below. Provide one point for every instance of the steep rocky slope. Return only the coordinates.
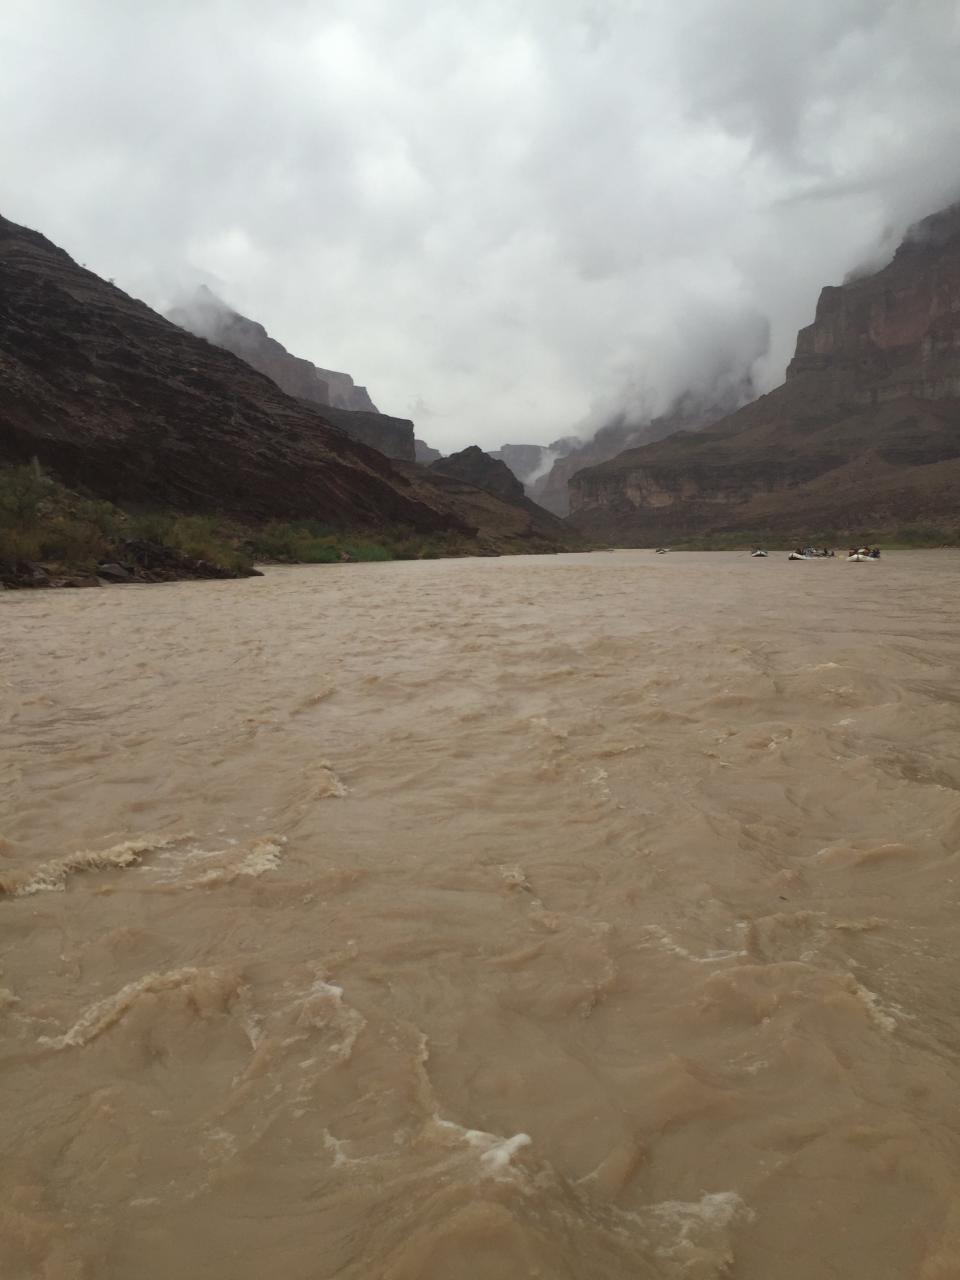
(351, 409)
(864, 433)
(118, 401)
(113, 397)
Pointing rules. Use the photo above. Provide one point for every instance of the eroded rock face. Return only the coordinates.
(551, 489)
(112, 397)
(897, 332)
(864, 433)
(478, 468)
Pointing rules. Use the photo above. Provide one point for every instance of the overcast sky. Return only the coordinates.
(506, 218)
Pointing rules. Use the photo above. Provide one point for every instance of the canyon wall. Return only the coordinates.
(864, 432)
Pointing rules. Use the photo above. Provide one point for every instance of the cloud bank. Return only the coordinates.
(504, 219)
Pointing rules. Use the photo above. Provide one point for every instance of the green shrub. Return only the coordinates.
(200, 538)
(273, 542)
(72, 541)
(18, 544)
(22, 492)
(102, 516)
(317, 552)
(364, 550)
(150, 526)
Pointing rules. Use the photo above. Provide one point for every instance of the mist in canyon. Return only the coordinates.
(542, 240)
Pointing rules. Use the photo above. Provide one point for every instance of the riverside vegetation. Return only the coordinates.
(52, 535)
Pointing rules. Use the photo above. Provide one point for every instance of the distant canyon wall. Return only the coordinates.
(864, 432)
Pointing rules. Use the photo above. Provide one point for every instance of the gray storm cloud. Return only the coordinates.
(523, 217)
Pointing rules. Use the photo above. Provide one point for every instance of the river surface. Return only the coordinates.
(581, 917)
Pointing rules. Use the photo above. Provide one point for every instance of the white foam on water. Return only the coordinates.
(341, 1156)
(667, 943)
(51, 877)
(516, 878)
(250, 860)
(322, 1008)
(877, 1011)
(696, 1230)
(496, 1152)
(104, 1014)
(329, 783)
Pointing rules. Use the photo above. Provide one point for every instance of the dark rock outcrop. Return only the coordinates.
(517, 524)
(392, 436)
(863, 434)
(114, 573)
(483, 471)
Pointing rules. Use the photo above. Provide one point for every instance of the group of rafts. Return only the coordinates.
(809, 553)
(812, 553)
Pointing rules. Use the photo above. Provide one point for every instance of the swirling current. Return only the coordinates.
(588, 916)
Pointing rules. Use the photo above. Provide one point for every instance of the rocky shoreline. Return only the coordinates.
(138, 561)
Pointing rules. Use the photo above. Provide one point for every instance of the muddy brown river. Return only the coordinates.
(581, 917)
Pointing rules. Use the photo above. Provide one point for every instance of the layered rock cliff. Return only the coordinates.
(895, 333)
(207, 316)
(690, 413)
(864, 433)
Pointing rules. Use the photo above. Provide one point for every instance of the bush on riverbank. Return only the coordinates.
(36, 521)
(309, 542)
(43, 522)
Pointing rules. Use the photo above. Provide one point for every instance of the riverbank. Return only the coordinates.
(51, 536)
